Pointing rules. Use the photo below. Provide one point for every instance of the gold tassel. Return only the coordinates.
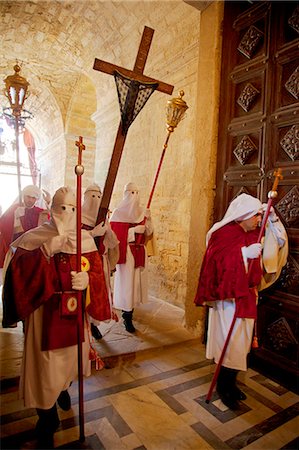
(94, 356)
(255, 343)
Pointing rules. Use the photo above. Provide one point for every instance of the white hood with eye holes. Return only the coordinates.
(91, 204)
(62, 224)
(129, 209)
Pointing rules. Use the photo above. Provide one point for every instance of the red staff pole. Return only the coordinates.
(176, 108)
(271, 195)
(158, 171)
(79, 170)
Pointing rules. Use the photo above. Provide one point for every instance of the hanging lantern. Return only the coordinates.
(15, 90)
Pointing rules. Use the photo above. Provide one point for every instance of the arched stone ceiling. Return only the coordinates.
(56, 41)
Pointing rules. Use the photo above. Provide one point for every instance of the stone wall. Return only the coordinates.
(79, 123)
(186, 54)
(205, 158)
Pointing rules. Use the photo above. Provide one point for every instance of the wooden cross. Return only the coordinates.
(137, 75)
(81, 147)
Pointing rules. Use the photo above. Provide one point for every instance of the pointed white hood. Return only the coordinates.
(129, 209)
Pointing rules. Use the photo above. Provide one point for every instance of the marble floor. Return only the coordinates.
(151, 395)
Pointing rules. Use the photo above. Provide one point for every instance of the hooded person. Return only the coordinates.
(20, 218)
(131, 224)
(229, 287)
(40, 287)
(106, 241)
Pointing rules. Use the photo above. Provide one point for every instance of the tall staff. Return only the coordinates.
(271, 195)
(79, 170)
(176, 108)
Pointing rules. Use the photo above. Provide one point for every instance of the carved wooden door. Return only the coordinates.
(258, 132)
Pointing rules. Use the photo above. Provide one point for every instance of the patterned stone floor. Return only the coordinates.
(155, 400)
(151, 395)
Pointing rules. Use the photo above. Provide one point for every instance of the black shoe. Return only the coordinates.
(95, 332)
(64, 400)
(129, 327)
(239, 395)
(46, 426)
(128, 316)
(45, 441)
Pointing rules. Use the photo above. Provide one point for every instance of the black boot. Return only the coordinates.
(239, 395)
(95, 332)
(226, 387)
(128, 316)
(46, 426)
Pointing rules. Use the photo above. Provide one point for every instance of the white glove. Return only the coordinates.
(252, 251)
(54, 245)
(79, 280)
(99, 230)
(272, 215)
(147, 213)
(139, 229)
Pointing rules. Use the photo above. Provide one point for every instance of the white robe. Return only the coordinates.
(44, 374)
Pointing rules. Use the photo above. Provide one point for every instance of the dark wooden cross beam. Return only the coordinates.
(137, 75)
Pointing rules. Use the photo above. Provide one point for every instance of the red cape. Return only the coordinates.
(31, 280)
(6, 231)
(223, 275)
(28, 221)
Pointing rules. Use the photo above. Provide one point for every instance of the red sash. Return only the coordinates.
(137, 248)
(30, 218)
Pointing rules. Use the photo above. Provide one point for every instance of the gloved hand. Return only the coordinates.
(79, 280)
(148, 213)
(99, 230)
(272, 215)
(139, 229)
(252, 251)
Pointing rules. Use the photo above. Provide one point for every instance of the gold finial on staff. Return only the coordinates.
(79, 169)
(176, 108)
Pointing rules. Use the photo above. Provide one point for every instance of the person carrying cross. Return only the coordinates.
(106, 241)
(130, 282)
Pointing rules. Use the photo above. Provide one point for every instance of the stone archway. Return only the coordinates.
(79, 123)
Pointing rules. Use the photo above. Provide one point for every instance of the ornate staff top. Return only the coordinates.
(278, 177)
(79, 169)
(176, 108)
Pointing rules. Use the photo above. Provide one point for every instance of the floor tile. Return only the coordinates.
(151, 396)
